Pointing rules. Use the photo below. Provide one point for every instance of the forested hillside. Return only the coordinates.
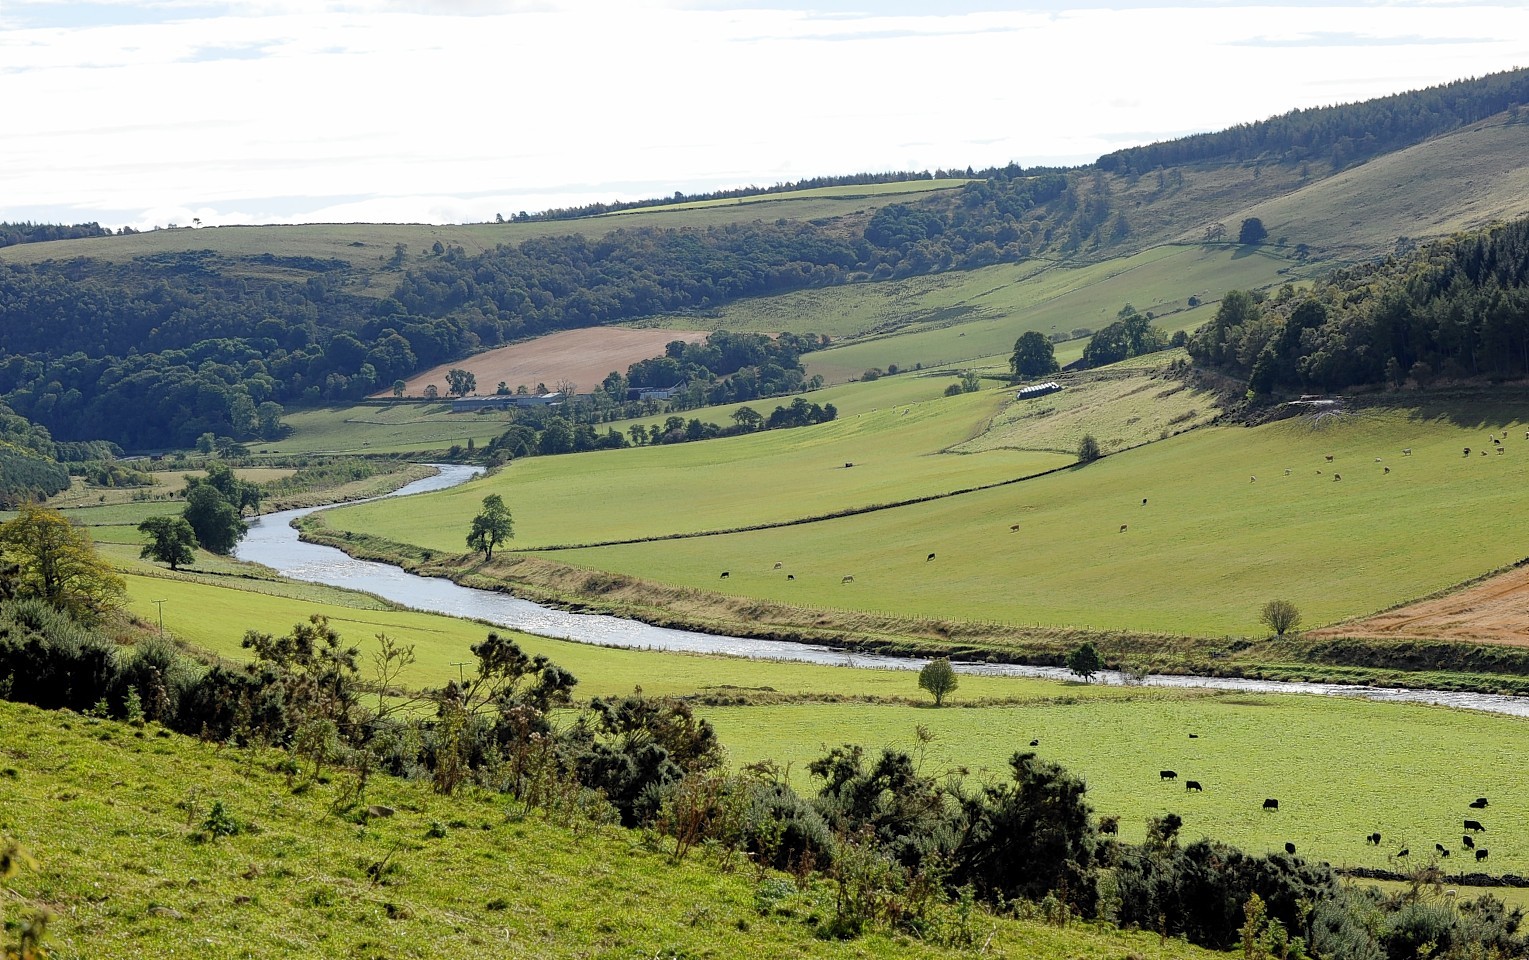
(158, 350)
(1457, 308)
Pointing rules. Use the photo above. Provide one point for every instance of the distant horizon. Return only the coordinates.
(254, 112)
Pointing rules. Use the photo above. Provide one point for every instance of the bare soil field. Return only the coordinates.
(1493, 611)
(584, 357)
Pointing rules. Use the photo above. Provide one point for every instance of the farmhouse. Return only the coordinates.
(505, 401)
(1037, 390)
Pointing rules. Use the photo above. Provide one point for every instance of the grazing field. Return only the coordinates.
(1201, 557)
(769, 477)
(1340, 769)
(167, 484)
(114, 818)
(1417, 768)
(583, 357)
(394, 428)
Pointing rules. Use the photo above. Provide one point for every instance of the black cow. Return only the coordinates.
(929, 558)
(1374, 838)
(1475, 825)
(1109, 825)
(1440, 847)
(1035, 743)
(1194, 736)
(1167, 775)
(1271, 804)
(1192, 785)
(1290, 848)
(790, 576)
(1467, 842)
(1480, 803)
(724, 575)
(1481, 854)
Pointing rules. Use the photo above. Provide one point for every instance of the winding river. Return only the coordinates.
(272, 541)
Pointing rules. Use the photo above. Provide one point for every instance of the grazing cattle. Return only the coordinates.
(1407, 451)
(1373, 838)
(1252, 479)
(1167, 775)
(929, 558)
(1193, 785)
(1271, 804)
(1290, 848)
(1467, 842)
(848, 465)
(1481, 854)
(1496, 442)
(1337, 477)
(790, 576)
(1287, 471)
(1483, 453)
(1144, 501)
(1440, 847)
(1501, 450)
(1467, 451)
(1123, 528)
(1014, 528)
(1109, 825)
(1480, 803)
(1387, 469)
(1194, 736)
(777, 565)
(1035, 743)
(850, 578)
(724, 575)
(1475, 825)
(1329, 458)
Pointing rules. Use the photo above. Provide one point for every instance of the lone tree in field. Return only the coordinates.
(1281, 616)
(1085, 662)
(56, 562)
(1034, 356)
(1088, 449)
(1253, 231)
(939, 679)
(459, 382)
(491, 527)
(171, 540)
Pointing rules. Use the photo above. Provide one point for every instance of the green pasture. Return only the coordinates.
(212, 613)
(767, 477)
(385, 429)
(1339, 768)
(111, 816)
(981, 313)
(1210, 547)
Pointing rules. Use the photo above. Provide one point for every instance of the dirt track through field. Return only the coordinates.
(585, 357)
(1492, 611)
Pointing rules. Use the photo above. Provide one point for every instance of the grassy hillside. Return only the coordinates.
(129, 871)
(1210, 547)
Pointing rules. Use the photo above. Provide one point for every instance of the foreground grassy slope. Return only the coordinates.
(112, 813)
(1201, 557)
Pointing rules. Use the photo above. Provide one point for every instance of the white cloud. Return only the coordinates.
(406, 112)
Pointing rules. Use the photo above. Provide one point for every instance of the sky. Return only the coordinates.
(153, 112)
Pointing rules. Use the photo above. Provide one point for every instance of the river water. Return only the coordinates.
(273, 541)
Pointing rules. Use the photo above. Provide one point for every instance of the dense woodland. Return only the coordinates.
(28, 232)
(1453, 310)
(1343, 135)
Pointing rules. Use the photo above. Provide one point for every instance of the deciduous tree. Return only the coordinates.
(939, 679)
(171, 540)
(1281, 616)
(1033, 356)
(56, 562)
(491, 527)
(1085, 662)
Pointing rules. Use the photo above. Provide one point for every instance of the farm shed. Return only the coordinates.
(1037, 390)
(505, 402)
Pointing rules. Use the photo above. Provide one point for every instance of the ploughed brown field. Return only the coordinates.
(1495, 610)
(584, 357)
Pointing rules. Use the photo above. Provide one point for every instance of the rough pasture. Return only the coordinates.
(1340, 768)
(1496, 610)
(1202, 558)
(584, 357)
